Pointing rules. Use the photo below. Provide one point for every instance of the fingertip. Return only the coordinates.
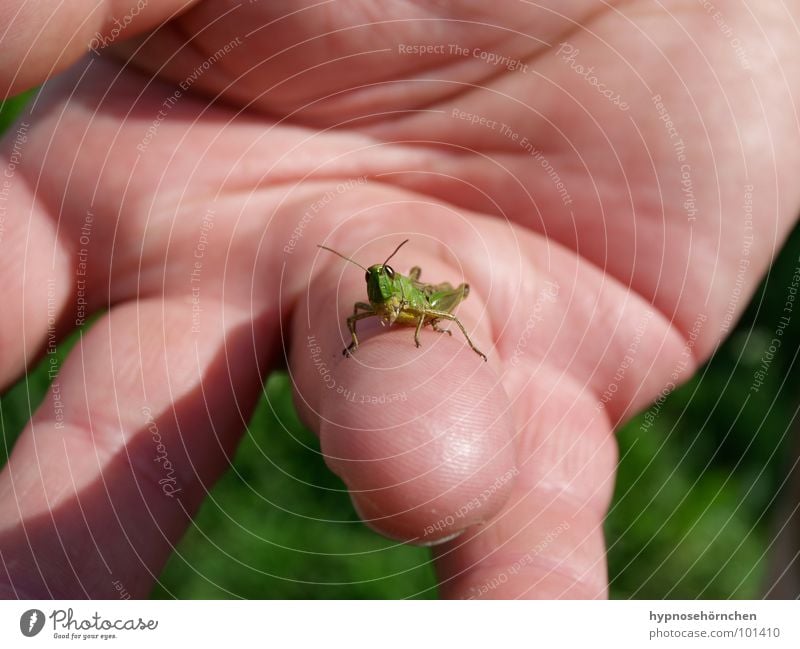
(421, 437)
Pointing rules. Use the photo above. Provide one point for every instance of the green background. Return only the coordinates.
(693, 514)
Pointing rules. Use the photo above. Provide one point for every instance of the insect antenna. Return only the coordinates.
(343, 257)
(395, 251)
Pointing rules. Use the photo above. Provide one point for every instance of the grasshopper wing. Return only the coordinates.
(443, 297)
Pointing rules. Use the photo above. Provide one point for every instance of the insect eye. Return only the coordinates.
(389, 271)
(366, 276)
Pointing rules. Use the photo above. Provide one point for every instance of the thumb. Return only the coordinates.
(422, 437)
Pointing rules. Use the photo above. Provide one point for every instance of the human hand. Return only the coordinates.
(516, 454)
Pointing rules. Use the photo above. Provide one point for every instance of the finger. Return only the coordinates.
(40, 39)
(139, 423)
(118, 233)
(308, 53)
(547, 542)
(32, 263)
(559, 135)
(582, 355)
(422, 437)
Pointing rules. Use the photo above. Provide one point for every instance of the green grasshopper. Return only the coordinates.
(405, 300)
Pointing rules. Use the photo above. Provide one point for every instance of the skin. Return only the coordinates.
(558, 289)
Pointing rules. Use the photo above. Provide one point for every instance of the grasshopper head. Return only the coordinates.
(380, 283)
(380, 277)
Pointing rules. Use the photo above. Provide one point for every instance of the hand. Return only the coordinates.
(596, 213)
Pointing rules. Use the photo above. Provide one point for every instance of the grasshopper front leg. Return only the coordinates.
(367, 312)
(449, 316)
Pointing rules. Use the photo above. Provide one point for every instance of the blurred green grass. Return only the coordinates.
(690, 517)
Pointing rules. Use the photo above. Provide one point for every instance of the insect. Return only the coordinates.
(405, 300)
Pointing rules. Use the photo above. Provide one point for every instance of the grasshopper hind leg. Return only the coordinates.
(445, 315)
